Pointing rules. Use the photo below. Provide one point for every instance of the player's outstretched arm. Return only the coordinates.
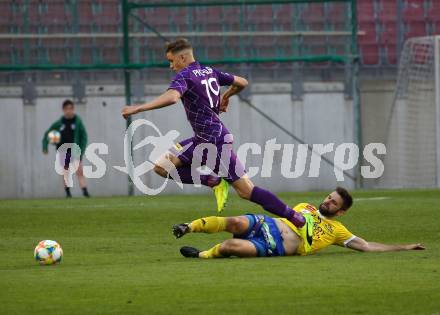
(236, 87)
(170, 97)
(364, 246)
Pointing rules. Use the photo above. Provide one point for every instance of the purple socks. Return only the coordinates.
(271, 203)
(263, 197)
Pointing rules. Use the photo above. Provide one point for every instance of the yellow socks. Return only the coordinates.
(212, 253)
(208, 225)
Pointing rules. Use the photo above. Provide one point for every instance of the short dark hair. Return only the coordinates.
(178, 45)
(346, 197)
(67, 103)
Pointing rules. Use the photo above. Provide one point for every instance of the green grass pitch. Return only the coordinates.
(120, 258)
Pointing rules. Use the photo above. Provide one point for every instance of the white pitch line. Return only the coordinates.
(126, 205)
(72, 206)
(371, 198)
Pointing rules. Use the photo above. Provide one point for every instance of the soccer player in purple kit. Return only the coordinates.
(199, 88)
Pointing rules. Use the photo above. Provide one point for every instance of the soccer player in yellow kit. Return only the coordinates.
(263, 236)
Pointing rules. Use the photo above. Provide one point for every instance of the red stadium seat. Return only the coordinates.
(261, 14)
(387, 10)
(283, 14)
(213, 41)
(6, 18)
(231, 14)
(433, 12)
(85, 16)
(437, 27)
(370, 33)
(391, 54)
(207, 15)
(180, 19)
(17, 18)
(108, 16)
(208, 19)
(415, 29)
(258, 18)
(231, 18)
(87, 50)
(264, 41)
(6, 9)
(414, 10)
(336, 13)
(313, 16)
(5, 51)
(369, 54)
(31, 18)
(414, 17)
(387, 40)
(366, 11)
(57, 51)
(157, 17)
(388, 34)
(56, 19)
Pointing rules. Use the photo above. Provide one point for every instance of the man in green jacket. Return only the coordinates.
(72, 130)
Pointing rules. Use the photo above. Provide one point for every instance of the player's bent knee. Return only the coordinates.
(237, 225)
(244, 193)
(243, 187)
(163, 164)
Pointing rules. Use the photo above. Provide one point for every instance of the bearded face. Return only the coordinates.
(331, 205)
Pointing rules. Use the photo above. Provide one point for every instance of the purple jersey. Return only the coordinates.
(199, 87)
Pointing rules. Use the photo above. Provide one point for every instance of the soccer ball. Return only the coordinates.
(54, 136)
(48, 252)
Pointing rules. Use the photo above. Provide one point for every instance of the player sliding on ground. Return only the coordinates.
(260, 236)
(199, 88)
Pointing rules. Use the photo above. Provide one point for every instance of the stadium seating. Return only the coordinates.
(432, 16)
(283, 15)
(86, 18)
(387, 10)
(377, 20)
(414, 10)
(368, 43)
(313, 17)
(366, 11)
(414, 17)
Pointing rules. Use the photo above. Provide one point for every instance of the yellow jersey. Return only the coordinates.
(326, 231)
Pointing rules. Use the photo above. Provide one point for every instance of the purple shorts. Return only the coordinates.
(65, 157)
(229, 166)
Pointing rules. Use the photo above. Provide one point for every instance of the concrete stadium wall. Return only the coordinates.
(377, 99)
(324, 116)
